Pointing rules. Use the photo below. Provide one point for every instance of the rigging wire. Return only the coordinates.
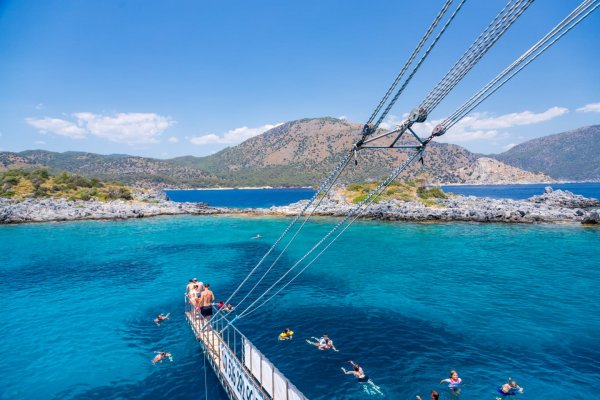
(518, 6)
(399, 92)
(580, 13)
(561, 29)
(344, 162)
(490, 35)
(499, 25)
(332, 177)
(412, 57)
(355, 212)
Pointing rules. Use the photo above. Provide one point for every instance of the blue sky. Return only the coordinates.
(165, 79)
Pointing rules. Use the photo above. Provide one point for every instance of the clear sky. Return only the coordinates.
(171, 78)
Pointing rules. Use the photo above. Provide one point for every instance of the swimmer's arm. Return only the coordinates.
(419, 397)
(445, 380)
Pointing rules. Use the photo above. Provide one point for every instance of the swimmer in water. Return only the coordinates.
(160, 318)
(286, 334)
(434, 396)
(357, 371)
(257, 236)
(510, 388)
(229, 307)
(370, 387)
(160, 356)
(323, 343)
(453, 382)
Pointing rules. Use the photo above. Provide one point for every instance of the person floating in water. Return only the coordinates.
(160, 356)
(258, 236)
(510, 388)
(323, 343)
(453, 382)
(287, 334)
(357, 371)
(220, 305)
(434, 395)
(229, 307)
(370, 387)
(160, 318)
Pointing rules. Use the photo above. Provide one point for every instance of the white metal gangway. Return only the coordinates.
(244, 372)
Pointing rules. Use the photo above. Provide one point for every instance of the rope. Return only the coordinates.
(547, 41)
(288, 244)
(356, 212)
(205, 381)
(476, 51)
(333, 176)
(411, 59)
(490, 35)
(399, 92)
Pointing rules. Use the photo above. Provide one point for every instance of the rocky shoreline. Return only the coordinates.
(552, 207)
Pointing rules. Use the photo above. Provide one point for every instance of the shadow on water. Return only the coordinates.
(64, 273)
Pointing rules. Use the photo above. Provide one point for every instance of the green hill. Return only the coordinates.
(572, 155)
(297, 153)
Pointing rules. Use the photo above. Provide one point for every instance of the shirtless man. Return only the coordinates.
(205, 302)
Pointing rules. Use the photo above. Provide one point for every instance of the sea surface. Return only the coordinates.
(242, 198)
(264, 198)
(409, 302)
(588, 189)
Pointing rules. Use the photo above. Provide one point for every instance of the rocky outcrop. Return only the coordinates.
(44, 210)
(487, 170)
(564, 207)
(563, 198)
(553, 206)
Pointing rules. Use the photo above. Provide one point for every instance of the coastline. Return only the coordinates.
(551, 207)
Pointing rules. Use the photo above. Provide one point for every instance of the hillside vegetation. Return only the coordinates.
(20, 184)
(410, 191)
(304, 152)
(572, 155)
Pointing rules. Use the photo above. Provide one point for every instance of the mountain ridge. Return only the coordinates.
(296, 153)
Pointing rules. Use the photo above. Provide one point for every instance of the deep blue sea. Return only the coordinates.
(243, 198)
(589, 189)
(264, 198)
(408, 301)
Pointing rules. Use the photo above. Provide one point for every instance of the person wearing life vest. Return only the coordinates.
(286, 334)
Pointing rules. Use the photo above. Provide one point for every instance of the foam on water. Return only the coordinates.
(407, 301)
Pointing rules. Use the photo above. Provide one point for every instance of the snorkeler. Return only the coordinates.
(287, 334)
(160, 356)
(510, 388)
(453, 382)
(323, 343)
(160, 318)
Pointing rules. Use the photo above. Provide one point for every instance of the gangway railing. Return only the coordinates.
(244, 372)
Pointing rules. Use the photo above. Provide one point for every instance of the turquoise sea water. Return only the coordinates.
(407, 301)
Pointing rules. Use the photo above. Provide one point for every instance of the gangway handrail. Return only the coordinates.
(224, 340)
